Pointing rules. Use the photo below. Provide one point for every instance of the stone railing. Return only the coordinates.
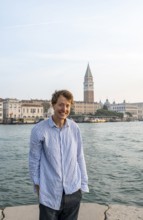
(88, 211)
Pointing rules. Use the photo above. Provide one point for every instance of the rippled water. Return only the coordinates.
(114, 157)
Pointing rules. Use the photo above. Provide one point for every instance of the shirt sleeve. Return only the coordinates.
(35, 155)
(82, 164)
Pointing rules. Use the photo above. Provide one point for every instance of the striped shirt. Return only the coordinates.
(56, 161)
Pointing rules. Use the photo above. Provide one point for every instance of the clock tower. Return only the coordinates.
(88, 86)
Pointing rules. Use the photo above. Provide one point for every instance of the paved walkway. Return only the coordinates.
(88, 211)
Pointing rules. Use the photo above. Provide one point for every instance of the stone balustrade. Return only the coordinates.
(88, 211)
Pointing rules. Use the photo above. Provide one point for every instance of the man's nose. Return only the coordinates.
(64, 108)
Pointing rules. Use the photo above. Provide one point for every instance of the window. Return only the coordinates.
(33, 110)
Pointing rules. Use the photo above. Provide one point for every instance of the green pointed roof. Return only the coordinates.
(88, 72)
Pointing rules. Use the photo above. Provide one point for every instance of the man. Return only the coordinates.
(56, 162)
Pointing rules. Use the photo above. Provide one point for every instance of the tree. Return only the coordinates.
(107, 113)
(72, 112)
(105, 107)
(46, 106)
(129, 114)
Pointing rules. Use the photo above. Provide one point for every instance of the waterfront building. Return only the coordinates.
(124, 108)
(85, 107)
(88, 86)
(11, 110)
(45, 103)
(107, 104)
(139, 106)
(19, 111)
(31, 112)
(1, 110)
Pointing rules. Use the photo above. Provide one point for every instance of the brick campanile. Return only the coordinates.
(88, 86)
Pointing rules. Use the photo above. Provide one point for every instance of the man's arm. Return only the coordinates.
(34, 158)
(82, 165)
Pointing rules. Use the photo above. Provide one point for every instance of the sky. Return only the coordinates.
(46, 46)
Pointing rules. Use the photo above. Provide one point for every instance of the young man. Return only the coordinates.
(56, 162)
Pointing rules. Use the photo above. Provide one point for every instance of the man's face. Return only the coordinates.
(62, 108)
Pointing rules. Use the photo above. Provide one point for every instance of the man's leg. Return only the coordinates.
(71, 205)
(47, 213)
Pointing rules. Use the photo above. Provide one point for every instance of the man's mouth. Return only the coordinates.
(63, 113)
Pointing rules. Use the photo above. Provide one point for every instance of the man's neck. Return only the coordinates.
(59, 123)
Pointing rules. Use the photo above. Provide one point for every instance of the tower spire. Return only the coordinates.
(88, 72)
(88, 86)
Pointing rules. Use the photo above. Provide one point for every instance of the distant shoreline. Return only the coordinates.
(79, 122)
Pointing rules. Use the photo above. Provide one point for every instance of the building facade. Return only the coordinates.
(139, 106)
(86, 108)
(135, 109)
(1, 110)
(31, 112)
(19, 111)
(11, 110)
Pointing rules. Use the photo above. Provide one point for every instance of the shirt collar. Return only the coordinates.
(52, 123)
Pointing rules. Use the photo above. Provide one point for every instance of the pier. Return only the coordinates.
(88, 211)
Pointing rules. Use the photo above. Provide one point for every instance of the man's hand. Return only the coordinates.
(37, 189)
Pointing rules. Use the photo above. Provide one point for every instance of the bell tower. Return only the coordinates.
(88, 86)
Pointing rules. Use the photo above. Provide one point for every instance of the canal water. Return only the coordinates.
(114, 158)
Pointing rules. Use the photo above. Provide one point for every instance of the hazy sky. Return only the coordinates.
(46, 45)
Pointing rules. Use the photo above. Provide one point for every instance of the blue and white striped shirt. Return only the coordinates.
(56, 161)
